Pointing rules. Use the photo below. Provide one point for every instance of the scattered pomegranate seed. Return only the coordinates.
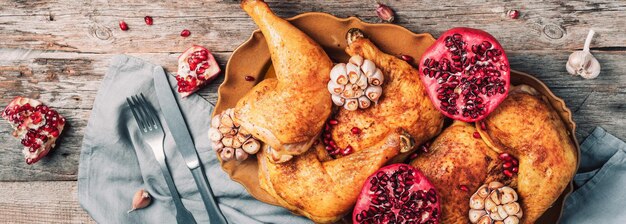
(504, 156)
(407, 58)
(333, 122)
(347, 151)
(356, 131)
(148, 20)
(185, 33)
(483, 126)
(507, 173)
(513, 14)
(507, 165)
(515, 169)
(463, 188)
(123, 25)
(476, 135)
(250, 78)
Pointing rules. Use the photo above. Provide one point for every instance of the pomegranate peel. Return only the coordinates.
(37, 125)
(397, 193)
(196, 68)
(466, 73)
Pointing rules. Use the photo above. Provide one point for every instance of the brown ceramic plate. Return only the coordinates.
(252, 59)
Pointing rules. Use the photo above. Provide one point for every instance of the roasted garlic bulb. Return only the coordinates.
(229, 140)
(495, 203)
(356, 84)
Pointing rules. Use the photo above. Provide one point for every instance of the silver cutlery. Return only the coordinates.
(184, 143)
(152, 132)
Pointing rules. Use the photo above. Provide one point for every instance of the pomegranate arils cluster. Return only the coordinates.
(196, 67)
(495, 203)
(510, 165)
(397, 193)
(330, 145)
(229, 140)
(466, 73)
(36, 124)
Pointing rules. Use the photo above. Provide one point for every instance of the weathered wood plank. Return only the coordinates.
(41, 202)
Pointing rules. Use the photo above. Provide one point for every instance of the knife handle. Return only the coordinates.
(215, 215)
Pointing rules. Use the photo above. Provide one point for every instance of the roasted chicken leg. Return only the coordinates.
(288, 112)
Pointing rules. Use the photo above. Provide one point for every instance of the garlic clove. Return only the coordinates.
(227, 141)
(335, 88)
(141, 199)
(356, 60)
(511, 220)
(217, 146)
(227, 121)
(373, 92)
(338, 74)
(245, 132)
(348, 92)
(508, 195)
(215, 122)
(483, 191)
(241, 137)
(484, 220)
(495, 216)
(214, 134)
(364, 102)
(495, 185)
(490, 206)
(477, 202)
(351, 104)
(227, 154)
(512, 208)
(368, 67)
(501, 212)
(225, 129)
(240, 155)
(362, 82)
(495, 196)
(377, 78)
(474, 215)
(353, 73)
(338, 100)
(236, 143)
(251, 146)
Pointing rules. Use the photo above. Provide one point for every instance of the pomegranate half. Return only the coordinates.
(196, 68)
(397, 193)
(36, 124)
(466, 73)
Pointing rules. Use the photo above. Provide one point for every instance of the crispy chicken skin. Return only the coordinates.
(456, 158)
(404, 103)
(288, 112)
(321, 188)
(524, 126)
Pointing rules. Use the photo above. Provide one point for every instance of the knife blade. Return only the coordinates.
(184, 143)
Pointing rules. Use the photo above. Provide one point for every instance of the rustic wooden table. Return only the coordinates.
(58, 50)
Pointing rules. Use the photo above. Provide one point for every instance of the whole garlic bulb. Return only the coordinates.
(495, 202)
(229, 140)
(583, 63)
(356, 84)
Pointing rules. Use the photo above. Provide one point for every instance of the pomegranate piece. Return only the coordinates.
(466, 73)
(397, 193)
(36, 124)
(196, 68)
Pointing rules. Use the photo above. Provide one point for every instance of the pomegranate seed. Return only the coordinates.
(513, 14)
(476, 135)
(332, 144)
(406, 58)
(317, 141)
(347, 151)
(515, 169)
(249, 78)
(327, 127)
(507, 165)
(123, 25)
(356, 131)
(463, 188)
(328, 148)
(504, 156)
(483, 126)
(29, 161)
(327, 135)
(185, 33)
(148, 20)
(413, 156)
(515, 162)
(333, 122)
(507, 173)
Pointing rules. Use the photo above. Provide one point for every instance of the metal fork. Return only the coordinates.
(152, 132)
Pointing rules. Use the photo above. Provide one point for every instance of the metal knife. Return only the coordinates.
(184, 143)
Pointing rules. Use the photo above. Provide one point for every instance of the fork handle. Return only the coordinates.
(215, 215)
(182, 214)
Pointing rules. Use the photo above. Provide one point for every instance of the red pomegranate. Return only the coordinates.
(397, 193)
(466, 73)
(196, 67)
(36, 124)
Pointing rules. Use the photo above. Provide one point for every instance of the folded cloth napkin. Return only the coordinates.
(115, 162)
(600, 195)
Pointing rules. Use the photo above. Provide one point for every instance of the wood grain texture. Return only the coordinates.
(58, 51)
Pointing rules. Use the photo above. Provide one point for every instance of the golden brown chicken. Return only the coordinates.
(319, 187)
(524, 126)
(288, 112)
(404, 103)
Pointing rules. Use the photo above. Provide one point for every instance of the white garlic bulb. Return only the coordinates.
(229, 140)
(583, 63)
(495, 203)
(356, 84)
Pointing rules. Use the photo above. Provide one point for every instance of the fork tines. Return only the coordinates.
(142, 112)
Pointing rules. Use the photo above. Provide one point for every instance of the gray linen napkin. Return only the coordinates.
(600, 195)
(115, 162)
